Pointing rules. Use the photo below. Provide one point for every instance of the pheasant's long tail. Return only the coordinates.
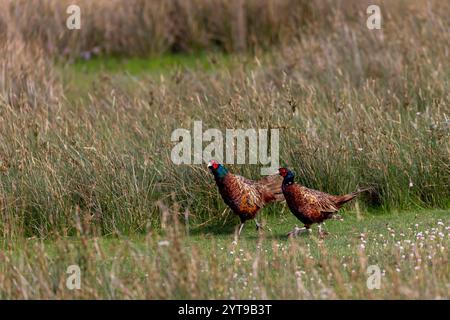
(341, 200)
(272, 186)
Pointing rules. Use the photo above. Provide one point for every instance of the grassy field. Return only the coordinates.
(86, 176)
(410, 248)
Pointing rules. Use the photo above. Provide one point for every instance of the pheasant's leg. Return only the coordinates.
(337, 217)
(258, 225)
(240, 228)
(322, 233)
(298, 231)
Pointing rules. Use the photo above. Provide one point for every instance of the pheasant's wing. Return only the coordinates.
(321, 200)
(249, 190)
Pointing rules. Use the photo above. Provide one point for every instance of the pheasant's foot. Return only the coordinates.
(258, 226)
(337, 217)
(322, 233)
(297, 231)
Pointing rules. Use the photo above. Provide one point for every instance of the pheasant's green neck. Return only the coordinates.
(221, 172)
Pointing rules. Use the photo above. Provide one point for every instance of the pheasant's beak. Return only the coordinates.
(210, 164)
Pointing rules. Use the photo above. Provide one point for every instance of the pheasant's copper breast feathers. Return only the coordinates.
(241, 194)
(246, 197)
(312, 206)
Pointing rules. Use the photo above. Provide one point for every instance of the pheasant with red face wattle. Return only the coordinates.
(246, 197)
(308, 205)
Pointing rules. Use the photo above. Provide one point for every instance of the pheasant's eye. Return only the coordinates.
(215, 166)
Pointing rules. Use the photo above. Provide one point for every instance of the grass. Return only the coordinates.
(342, 234)
(162, 64)
(410, 248)
(81, 75)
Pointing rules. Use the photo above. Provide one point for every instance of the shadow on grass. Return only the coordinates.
(214, 229)
(248, 232)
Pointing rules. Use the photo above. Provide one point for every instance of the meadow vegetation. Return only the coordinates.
(85, 169)
(410, 249)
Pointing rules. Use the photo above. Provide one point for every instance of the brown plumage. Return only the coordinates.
(308, 205)
(246, 197)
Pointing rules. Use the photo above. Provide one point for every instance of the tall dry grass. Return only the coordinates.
(139, 27)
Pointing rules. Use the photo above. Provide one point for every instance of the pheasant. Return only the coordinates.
(310, 206)
(246, 197)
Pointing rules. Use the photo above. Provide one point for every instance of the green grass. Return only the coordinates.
(169, 264)
(341, 240)
(161, 64)
(342, 233)
(82, 76)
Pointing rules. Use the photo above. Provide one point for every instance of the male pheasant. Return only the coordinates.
(308, 205)
(246, 197)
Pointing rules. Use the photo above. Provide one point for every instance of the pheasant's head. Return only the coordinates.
(287, 174)
(283, 172)
(217, 169)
